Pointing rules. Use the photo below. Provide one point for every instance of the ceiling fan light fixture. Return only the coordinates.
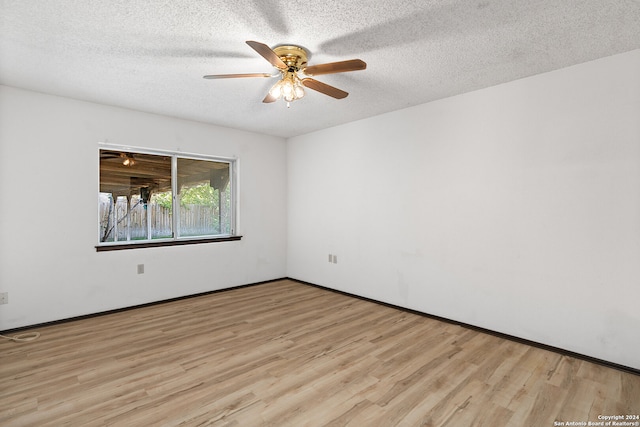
(288, 88)
(127, 159)
(276, 90)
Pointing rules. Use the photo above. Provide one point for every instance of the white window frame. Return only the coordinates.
(176, 239)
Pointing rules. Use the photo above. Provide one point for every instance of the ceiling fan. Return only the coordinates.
(291, 62)
(127, 158)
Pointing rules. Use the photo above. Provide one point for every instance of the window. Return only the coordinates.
(149, 198)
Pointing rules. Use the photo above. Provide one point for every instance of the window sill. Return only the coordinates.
(124, 246)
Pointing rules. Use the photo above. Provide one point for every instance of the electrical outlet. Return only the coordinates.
(335, 259)
(140, 268)
(4, 297)
(330, 257)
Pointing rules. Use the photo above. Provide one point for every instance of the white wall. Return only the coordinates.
(514, 208)
(48, 210)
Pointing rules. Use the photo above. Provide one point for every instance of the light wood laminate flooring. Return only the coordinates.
(289, 354)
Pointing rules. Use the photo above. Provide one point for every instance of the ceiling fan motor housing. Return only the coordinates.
(294, 56)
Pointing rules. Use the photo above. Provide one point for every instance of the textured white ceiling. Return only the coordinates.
(150, 55)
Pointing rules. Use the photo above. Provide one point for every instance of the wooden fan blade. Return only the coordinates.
(269, 98)
(324, 88)
(336, 67)
(268, 54)
(234, 76)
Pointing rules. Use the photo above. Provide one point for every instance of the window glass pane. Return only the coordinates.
(161, 215)
(205, 197)
(135, 196)
(138, 222)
